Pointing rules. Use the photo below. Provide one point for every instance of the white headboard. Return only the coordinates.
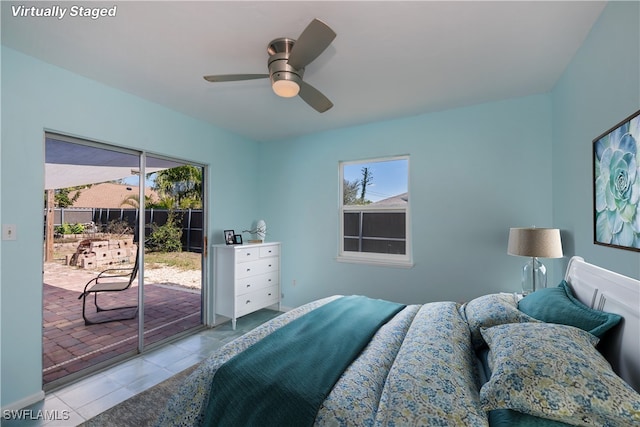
(612, 292)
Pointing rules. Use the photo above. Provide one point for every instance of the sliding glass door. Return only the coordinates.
(174, 248)
(112, 211)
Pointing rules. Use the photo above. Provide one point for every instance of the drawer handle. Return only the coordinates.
(249, 285)
(248, 301)
(269, 293)
(269, 265)
(269, 280)
(248, 253)
(248, 269)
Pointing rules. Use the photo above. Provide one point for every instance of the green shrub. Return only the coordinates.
(77, 228)
(62, 229)
(66, 228)
(165, 238)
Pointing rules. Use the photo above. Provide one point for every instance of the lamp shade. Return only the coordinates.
(535, 242)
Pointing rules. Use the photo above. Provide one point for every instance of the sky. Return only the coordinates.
(134, 180)
(390, 177)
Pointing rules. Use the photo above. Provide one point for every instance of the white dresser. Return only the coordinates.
(246, 278)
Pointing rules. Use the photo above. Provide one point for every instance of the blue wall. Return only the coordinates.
(600, 88)
(37, 96)
(474, 172)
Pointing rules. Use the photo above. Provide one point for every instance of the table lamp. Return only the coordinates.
(535, 243)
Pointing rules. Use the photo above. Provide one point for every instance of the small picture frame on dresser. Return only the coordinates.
(237, 239)
(229, 237)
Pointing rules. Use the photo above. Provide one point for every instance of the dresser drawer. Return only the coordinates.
(256, 300)
(261, 266)
(246, 278)
(247, 254)
(267, 251)
(252, 283)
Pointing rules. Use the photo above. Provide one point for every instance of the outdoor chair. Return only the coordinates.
(105, 282)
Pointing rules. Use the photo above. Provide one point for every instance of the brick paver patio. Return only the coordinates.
(70, 346)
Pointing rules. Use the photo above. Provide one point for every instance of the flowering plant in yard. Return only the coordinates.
(617, 186)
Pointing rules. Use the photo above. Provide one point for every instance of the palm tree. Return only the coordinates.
(183, 184)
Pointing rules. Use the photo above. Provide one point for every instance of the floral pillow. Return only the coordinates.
(491, 310)
(554, 371)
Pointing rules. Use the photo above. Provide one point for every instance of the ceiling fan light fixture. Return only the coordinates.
(285, 88)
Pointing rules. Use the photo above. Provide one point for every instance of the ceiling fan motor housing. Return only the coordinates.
(279, 68)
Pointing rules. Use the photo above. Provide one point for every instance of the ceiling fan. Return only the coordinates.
(287, 59)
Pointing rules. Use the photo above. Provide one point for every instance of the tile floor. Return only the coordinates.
(84, 399)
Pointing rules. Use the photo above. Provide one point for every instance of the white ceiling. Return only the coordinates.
(390, 59)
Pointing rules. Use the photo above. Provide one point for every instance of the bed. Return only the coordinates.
(497, 360)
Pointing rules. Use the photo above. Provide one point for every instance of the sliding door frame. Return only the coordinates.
(140, 234)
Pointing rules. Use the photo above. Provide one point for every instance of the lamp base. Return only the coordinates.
(534, 276)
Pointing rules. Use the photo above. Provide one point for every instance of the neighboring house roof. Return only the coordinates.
(108, 195)
(398, 199)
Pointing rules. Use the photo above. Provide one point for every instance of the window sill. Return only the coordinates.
(378, 262)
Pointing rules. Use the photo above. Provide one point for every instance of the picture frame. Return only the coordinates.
(237, 239)
(616, 185)
(229, 237)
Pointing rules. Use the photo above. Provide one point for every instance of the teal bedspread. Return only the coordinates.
(320, 346)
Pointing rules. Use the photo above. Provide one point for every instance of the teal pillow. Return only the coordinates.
(509, 418)
(559, 305)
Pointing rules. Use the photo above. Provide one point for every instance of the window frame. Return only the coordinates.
(374, 258)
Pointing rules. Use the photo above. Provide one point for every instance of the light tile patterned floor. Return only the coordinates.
(80, 401)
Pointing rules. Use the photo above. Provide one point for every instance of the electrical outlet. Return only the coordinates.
(9, 232)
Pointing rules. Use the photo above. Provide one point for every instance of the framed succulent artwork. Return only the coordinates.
(616, 185)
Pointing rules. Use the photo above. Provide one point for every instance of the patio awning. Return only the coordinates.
(69, 164)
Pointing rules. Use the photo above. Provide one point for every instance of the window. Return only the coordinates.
(374, 211)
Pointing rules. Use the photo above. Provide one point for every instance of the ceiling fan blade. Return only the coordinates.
(234, 77)
(314, 97)
(311, 43)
